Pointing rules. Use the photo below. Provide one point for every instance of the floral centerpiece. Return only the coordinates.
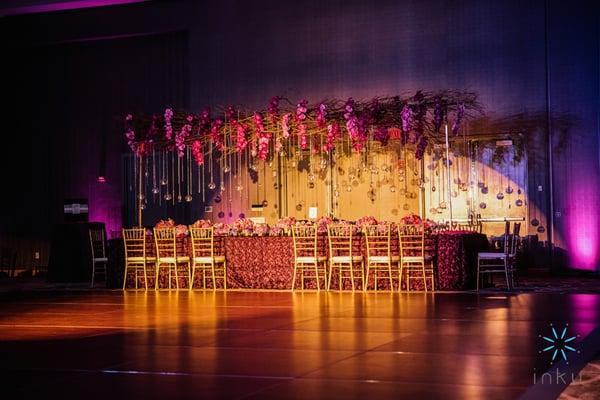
(242, 227)
(322, 224)
(353, 226)
(221, 229)
(283, 226)
(366, 220)
(414, 219)
(181, 230)
(411, 219)
(261, 229)
(202, 223)
(165, 223)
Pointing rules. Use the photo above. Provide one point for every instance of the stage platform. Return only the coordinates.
(262, 345)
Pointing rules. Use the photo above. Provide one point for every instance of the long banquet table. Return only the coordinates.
(267, 262)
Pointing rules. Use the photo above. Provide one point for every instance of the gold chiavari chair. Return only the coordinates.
(490, 263)
(98, 247)
(379, 254)
(413, 258)
(165, 241)
(470, 227)
(306, 257)
(342, 256)
(204, 258)
(135, 254)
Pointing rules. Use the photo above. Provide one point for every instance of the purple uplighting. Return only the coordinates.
(582, 228)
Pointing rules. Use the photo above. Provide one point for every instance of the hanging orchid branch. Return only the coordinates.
(322, 127)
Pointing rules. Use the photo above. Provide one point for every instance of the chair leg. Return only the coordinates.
(363, 281)
(93, 272)
(331, 266)
(432, 278)
(192, 273)
(170, 270)
(212, 270)
(156, 276)
(478, 268)
(125, 277)
(367, 280)
(294, 276)
(508, 285)
(400, 277)
(224, 275)
(317, 276)
(145, 277)
(391, 280)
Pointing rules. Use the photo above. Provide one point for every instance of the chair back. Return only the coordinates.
(514, 240)
(378, 240)
(507, 238)
(165, 242)
(305, 240)
(203, 244)
(443, 227)
(135, 242)
(339, 237)
(412, 240)
(470, 227)
(98, 243)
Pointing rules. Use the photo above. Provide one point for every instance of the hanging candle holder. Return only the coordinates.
(211, 183)
(155, 188)
(188, 196)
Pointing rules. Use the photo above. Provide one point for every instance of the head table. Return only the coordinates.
(268, 262)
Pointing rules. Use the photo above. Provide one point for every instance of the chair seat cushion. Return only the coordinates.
(310, 260)
(345, 259)
(151, 259)
(416, 259)
(135, 259)
(173, 260)
(209, 260)
(101, 259)
(383, 259)
(491, 255)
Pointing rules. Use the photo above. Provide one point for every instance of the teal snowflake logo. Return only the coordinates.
(559, 345)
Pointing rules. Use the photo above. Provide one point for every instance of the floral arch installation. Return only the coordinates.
(312, 138)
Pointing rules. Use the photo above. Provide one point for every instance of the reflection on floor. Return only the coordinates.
(257, 345)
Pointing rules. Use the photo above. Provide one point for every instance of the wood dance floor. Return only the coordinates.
(262, 345)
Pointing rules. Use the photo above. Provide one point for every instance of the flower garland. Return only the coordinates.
(300, 117)
(353, 126)
(130, 134)
(460, 112)
(168, 125)
(406, 115)
(215, 134)
(185, 131)
(321, 114)
(438, 114)
(285, 127)
(263, 137)
(414, 121)
(240, 140)
(333, 132)
(197, 152)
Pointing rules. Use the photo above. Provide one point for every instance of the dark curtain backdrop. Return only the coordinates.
(66, 106)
